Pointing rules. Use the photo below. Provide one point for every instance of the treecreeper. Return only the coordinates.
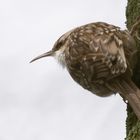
(100, 57)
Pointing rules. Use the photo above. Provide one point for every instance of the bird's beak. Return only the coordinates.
(49, 53)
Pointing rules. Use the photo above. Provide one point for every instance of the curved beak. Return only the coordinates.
(50, 53)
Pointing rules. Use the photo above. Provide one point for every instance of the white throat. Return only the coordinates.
(60, 56)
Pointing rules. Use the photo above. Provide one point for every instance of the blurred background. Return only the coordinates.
(40, 101)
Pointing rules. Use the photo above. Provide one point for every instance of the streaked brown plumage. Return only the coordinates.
(100, 57)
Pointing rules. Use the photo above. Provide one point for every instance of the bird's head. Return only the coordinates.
(57, 50)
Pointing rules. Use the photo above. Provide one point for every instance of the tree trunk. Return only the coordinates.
(132, 123)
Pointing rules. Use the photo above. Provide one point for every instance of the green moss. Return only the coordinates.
(134, 132)
(132, 123)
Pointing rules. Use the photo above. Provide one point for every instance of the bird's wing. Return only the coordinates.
(103, 50)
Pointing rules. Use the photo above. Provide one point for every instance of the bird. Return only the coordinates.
(100, 57)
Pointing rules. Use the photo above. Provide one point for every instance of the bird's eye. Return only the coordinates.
(58, 45)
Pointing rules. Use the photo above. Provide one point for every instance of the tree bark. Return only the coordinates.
(132, 123)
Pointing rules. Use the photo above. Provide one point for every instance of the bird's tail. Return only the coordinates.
(130, 92)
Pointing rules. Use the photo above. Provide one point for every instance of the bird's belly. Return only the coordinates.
(91, 78)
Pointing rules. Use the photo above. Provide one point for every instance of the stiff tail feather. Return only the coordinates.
(130, 92)
(134, 102)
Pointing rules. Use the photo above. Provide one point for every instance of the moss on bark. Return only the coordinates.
(132, 123)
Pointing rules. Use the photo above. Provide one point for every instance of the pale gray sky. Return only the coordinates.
(40, 101)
